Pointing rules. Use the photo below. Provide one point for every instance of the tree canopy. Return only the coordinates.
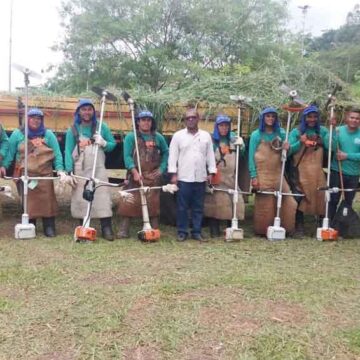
(154, 43)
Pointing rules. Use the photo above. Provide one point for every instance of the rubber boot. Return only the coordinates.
(154, 221)
(124, 226)
(49, 226)
(299, 225)
(106, 229)
(214, 225)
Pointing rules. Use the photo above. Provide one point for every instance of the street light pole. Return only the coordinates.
(10, 42)
(304, 10)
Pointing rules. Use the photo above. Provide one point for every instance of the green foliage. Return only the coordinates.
(312, 82)
(153, 43)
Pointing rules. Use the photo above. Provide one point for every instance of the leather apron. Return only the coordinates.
(41, 198)
(311, 176)
(219, 205)
(83, 156)
(268, 165)
(150, 160)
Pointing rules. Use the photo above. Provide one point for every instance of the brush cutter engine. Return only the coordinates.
(150, 235)
(84, 234)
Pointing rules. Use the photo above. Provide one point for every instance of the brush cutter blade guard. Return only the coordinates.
(83, 234)
(150, 235)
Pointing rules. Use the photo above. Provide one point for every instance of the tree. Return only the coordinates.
(156, 42)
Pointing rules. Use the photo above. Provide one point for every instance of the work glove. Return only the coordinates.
(238, 141)
(6, 190)
(126, 197)
(62, 175)
(2, 171)
(99, 140)
(70, 181)
(170, 188)
(209, 189)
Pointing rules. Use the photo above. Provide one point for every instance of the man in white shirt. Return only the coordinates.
(192, 164)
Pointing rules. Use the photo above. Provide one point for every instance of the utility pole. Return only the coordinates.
(10, 42)
(304, 10)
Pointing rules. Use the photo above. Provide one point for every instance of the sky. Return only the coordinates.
(36, 27)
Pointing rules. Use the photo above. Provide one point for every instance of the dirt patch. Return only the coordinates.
(288, 313)
(235, 319)
(144, 352)
(337, 319)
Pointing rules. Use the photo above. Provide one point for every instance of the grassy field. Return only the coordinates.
(297, 299)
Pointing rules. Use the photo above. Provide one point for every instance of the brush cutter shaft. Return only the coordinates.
(283, 162)
(144, 207)
(277, 193)
(327, 196)
(336, 189)
(95, 180)
(231, 191)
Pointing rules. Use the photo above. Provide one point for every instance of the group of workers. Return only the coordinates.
(195, 161)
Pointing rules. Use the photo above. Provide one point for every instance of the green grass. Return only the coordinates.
(297, 299)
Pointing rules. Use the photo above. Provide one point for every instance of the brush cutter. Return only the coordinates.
(25, 230)
(325, 232)
(277, 232)
(85, 233)
(234, 233)
(147, 234)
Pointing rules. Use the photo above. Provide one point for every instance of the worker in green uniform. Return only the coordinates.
(154, 153)
(346, 145)
(80, 141)
(44, 155)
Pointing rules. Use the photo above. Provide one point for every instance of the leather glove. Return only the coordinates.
(99, 140)
(170, 188)
(126, 197)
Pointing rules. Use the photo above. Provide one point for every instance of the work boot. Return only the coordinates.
(49, 226)
(106, 230)
(123, 232)
(299, 225)
(154, 221)
(214, 225)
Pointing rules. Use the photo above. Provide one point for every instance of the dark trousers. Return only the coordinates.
(350, 182)
(190, 196)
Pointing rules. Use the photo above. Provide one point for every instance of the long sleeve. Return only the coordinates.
(14, 141)
(129, 144)
(164, 151)
(4, 144)
(294, 141)
(253, 145)
(210, 158)
(108, 136)
(70, 143)
(173, 155)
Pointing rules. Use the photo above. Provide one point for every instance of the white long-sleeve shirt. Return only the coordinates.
(191, 156)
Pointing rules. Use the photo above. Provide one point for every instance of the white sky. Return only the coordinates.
(36, 27)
